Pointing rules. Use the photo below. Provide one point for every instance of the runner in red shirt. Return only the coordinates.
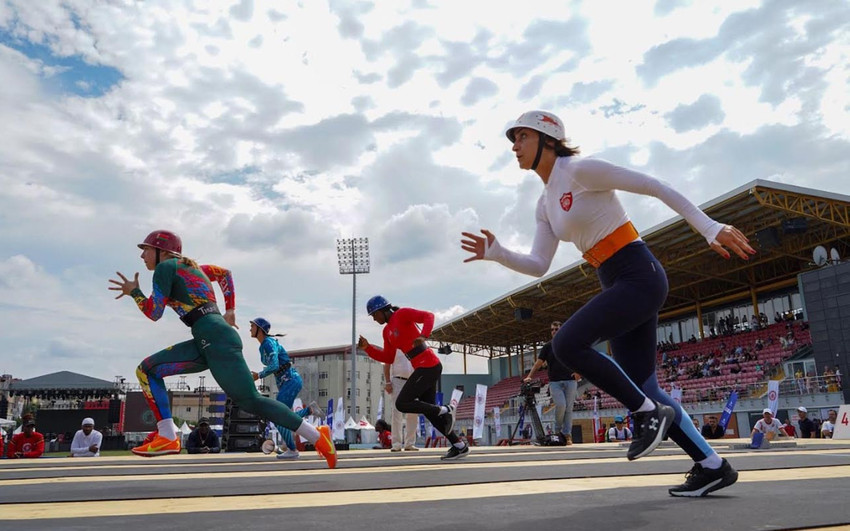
(401, 331)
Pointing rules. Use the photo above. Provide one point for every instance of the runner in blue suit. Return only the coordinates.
(288, 381)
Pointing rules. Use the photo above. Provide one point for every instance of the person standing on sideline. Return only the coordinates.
(418, 394)
(619, 431)
(28, 444)
(276, 361)
(87, 441)
(563, 384)
(396, 375)
(579, 205)
(180, 283)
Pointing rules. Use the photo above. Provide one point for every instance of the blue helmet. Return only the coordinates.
(618, 418)
(262, 324)
(376, 303)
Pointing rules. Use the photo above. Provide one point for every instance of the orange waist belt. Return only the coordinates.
(609, 245)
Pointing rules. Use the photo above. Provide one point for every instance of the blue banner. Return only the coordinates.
(439, 402)
(727, 411)
(422, 425)
(329, 419)
(521, 418)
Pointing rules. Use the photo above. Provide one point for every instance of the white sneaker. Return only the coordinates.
(289, 454)
(411, 449)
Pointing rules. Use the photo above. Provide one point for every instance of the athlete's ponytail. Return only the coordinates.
(185, 260)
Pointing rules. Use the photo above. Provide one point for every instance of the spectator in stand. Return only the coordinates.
(807, 427)
(769, 426)
(385, 436)
(801, 383)
(837, 374)
(203, 440)
(27, 444)
(713, 430)
(87, 440)
(777, 318)
(619, 432)
(828, 426)
(789, 429)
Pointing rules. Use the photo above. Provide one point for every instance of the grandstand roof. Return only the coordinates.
(699, 279)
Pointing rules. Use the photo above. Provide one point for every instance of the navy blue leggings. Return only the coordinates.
(634, 287)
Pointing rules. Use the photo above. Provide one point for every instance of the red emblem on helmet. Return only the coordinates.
(547, 119)
(567, 201)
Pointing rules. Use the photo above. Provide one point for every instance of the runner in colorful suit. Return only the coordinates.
(183, 285)
(289, 383)
(402, 332)
(579, 205)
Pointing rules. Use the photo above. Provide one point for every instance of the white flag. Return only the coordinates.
(457, 394)
(380, 407)
(339, 421)
(478, 418)
(596, 425)
(773, 395)
(497, 421)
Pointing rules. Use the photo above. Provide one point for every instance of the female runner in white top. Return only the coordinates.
(579, 204)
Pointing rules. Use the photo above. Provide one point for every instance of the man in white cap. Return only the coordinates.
(807, 427)
(769, 426)
(86, 441)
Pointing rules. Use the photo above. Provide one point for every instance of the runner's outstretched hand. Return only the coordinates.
(124, 285)
(733, 239)
(476, 244)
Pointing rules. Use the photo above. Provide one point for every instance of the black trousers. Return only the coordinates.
(419, 394)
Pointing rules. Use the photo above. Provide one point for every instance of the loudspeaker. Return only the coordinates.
(114, 415)
(768, 238)
(522, 314)
(795, 225)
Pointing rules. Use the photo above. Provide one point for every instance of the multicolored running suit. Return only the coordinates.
(289, 382)
(215, 345)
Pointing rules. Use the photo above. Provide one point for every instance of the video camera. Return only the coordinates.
(530, 388)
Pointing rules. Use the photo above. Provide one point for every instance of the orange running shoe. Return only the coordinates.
(151, 436)
(159, 446)
(325, 446)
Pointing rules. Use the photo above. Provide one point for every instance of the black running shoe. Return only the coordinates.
(456, 453)
(449, 418)
(700, 480)
(650, 428)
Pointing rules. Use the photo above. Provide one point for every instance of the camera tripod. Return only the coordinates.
(530, 405)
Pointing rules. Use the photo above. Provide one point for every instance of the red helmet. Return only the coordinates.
(163, 240)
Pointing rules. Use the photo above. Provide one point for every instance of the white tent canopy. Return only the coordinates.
(185, 429)
(364, 424)
(351, 425)
(6, 422)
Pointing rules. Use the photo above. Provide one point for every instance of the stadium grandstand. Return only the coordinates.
(726, 325)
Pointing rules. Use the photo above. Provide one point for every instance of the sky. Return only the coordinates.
(262, 132)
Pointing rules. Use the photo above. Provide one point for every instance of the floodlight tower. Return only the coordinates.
(353, 255)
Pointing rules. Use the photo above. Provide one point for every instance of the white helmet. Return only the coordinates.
(541, 121)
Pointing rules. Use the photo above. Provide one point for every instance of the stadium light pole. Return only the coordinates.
(353, 256)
